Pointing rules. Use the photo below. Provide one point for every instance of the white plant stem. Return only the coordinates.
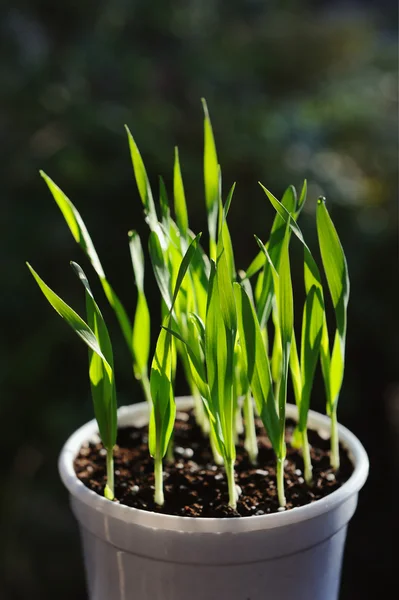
(306, 458)
(229, 466)
(109, 491)
(280, 482)
(251, 443)
(158, 476)
(334, 452)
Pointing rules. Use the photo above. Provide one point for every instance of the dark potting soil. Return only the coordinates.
(195, 487)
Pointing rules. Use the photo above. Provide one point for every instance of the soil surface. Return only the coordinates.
(195, 487)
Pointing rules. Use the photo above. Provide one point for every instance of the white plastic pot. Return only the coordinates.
(132, 554)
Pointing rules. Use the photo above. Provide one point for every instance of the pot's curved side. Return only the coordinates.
(133, 554)
(313, 574)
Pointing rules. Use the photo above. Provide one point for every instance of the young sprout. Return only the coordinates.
(174, 239)
(257, 367)
(179, 198)
(220, 334)
(336, 270)
(101, 366)
(82, 237)
(161, 382)
(211, 180)
(141, 325)
(284, 326)
(312, 325)
(143, 183)
(217, 327)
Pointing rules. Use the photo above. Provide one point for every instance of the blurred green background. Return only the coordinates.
(295, 89)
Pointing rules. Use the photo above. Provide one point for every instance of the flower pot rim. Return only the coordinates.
(214, 525)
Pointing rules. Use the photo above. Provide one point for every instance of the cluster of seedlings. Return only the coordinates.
(231, 331)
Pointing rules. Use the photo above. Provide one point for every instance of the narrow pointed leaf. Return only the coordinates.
(102, 380)
(75, 224)
(160, 267)
(142, 321)
(69, 315)
(211, 180)
(101, 371)
(274, 248)
(185, 263)
(335, 267)
(334, 264)
(179, 197)
(138, 261)
(257, 364)
(82, 237)
(164, 408)
(142, 181)
(164, 202)
(295, 372)
(312, 325)
(302, 198)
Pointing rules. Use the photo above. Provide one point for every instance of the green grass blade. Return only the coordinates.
(215, 350)
(199, 270)
(312, 325)
(211, 180)
(311, 270)
(196, 363)
(228, 201)
(142, 321)
(69, 315)
(285, 298)
(295, 371)
(161, 377)
(138, 261)
(102, 385)
(334, 264)
(274, 247)
(75, 224)
(289, 199)
(336, 271)
(164, 203)
(228, 251)
(160, 267)
(162, 396)
(141, 337)
(337, 365)
(142, 181)
(101, 370)
(82, 237)
(302, 198)
(277, 352)
(185, 263)
(312, 280)
(257, 364)
(179, 197)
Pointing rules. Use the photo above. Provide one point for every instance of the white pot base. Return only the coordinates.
(137, 555)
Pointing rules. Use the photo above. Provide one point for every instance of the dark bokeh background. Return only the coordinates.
(304, 90)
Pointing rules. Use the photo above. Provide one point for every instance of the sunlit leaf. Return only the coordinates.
(102, 378)
(82, 237)
(211, 180)
(302, 198)
(142, 181)
(334, 264)
(142, 322)
(102, 385)
(257, 364)
(179, 197)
